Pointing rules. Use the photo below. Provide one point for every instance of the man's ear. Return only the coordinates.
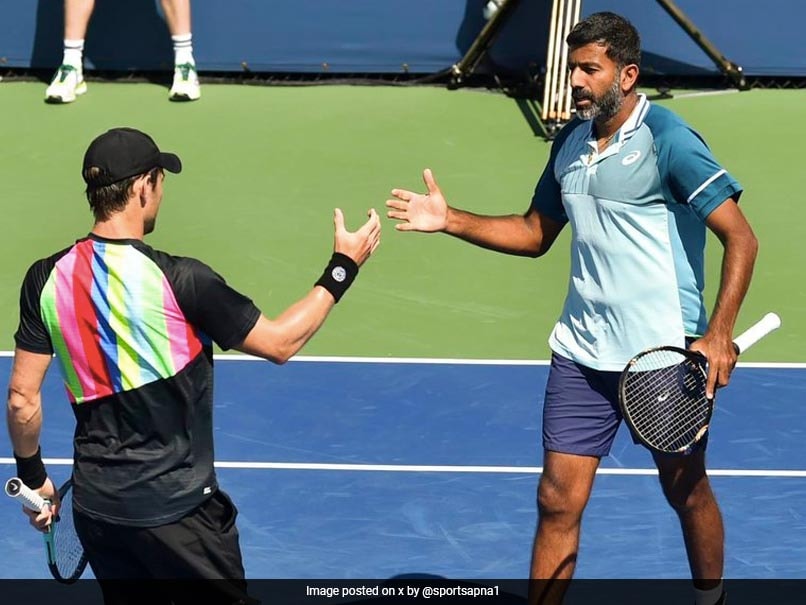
(629, 77)
(139, 190)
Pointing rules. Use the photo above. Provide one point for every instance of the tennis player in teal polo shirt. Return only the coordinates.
(638, 188)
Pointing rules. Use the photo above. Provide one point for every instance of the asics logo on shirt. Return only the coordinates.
(631, 158)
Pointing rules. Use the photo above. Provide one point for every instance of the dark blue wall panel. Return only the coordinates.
(392, 36)
(765, 37)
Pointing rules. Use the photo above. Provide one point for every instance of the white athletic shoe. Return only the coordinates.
(66, 85)
(186, 83)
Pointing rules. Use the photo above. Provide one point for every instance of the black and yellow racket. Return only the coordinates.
(65, 555)
(662, 392)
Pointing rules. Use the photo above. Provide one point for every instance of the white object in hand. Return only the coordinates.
(29, 498)
(756, 332)
(492, 7)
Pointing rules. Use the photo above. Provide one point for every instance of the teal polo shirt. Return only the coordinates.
(637, 213)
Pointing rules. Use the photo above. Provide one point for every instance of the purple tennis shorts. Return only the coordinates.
(581, 414)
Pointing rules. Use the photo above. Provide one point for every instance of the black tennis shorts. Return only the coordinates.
(196, 559)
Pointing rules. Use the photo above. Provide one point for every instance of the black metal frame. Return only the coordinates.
(729, 68)
(464, 68)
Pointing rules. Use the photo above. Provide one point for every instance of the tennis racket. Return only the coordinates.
(662, 392)
(65, 554)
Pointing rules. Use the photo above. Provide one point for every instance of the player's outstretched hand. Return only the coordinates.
(419, 212)
(360, 244)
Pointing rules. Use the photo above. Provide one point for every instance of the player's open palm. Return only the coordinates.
(359, 244)
(419, 212)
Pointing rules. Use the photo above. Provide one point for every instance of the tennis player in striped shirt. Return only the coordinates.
(132, 329)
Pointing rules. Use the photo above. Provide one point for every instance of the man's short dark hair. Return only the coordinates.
(108, 199)
(614, 32)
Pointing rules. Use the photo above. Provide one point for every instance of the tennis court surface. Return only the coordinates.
(345, 469)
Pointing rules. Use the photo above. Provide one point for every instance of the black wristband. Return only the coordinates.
(31, 471)
(340, 272)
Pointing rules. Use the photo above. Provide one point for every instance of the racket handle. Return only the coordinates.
(756, 332)
(15, 488)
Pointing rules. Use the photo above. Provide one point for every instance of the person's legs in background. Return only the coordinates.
(185, 85)
(68, 83)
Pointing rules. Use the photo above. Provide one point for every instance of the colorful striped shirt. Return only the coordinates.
(132, 329)
(114, 321)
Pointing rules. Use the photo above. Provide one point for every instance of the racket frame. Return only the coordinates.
(700, 362)
(767, 324)
(50, 544)
(32, 500)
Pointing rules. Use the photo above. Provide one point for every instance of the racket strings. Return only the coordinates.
(664, 396)
(68, 555)
(669, 420)
(672, 428)
(670, 417)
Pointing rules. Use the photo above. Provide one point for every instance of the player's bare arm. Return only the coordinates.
(24, 418)
(530, 234)
(280, 339)
(728, 223)
(24, 409)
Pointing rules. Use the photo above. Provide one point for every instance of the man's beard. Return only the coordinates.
(603, 108)
(149, 225)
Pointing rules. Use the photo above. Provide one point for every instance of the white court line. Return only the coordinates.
(772, 365)
(454, 361)
(704, 93)
(421, 468)
(451, 361)
(399, 360)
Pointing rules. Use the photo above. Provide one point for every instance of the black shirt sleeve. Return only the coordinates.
(31, 334)
(211, 305)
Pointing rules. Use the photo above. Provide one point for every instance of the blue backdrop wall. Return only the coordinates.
(392, 36)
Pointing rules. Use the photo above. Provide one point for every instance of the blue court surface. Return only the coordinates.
(349, 469)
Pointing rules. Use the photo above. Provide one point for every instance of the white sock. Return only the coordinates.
(74, 54)
(183, 49)
(708, 597)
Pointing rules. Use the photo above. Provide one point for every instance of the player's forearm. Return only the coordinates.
(24, 418)
(297, 324)
(508, 234)
(280, 339)
(737, 270)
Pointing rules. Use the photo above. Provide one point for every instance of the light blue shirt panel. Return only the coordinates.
(623, 289)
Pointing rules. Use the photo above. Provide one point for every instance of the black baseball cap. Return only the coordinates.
(121, 153)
